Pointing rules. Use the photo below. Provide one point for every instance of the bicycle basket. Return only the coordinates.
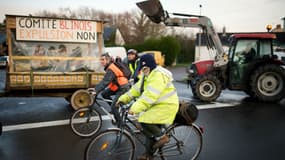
(187, 113)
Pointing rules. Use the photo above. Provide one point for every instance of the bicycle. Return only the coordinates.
(87, 121)
(119, 143)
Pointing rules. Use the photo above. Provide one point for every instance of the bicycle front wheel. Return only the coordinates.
(112, 145)
(85, 122)
(185, 143)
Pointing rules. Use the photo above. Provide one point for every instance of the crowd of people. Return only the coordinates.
(156, 100)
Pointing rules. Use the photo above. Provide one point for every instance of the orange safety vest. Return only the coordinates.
(121, 79)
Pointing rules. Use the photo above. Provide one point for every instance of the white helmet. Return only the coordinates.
(133, 51)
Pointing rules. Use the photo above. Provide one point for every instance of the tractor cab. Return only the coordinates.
(246, 53)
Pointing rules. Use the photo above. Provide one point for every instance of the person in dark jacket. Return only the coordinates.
(113, 83)
(249, 54)
(133, 64)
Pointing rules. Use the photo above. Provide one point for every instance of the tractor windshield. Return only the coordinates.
(245, 50)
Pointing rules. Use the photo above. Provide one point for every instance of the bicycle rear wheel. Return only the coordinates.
(85, 122)
(185, 143)
(111, 144)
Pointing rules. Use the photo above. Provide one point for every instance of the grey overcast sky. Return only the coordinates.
(235, 15)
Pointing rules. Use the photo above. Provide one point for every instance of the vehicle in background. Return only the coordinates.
(117, 52)
(3, 46)
(280, 53)
(159, 58)
(3, 61)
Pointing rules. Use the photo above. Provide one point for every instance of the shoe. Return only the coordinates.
(145, 157)
(163, 140)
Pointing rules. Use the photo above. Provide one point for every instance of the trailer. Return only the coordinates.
(53, 57)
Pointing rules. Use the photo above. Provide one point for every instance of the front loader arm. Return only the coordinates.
(154, 10)
(212, 39)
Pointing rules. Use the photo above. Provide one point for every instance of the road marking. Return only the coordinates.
(104, 117)
(212, 105)
(216, 105)
(34, 125)
(41, 124)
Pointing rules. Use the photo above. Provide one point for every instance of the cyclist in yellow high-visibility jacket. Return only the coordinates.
(156, 102)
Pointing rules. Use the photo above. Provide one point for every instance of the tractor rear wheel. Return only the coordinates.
(268, 83)
(207, 88)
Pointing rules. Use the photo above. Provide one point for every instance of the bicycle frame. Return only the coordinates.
(96, 99)
(125, 127)
(88, 116)
(123, 142)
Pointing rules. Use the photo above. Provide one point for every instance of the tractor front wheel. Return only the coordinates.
(207, 88)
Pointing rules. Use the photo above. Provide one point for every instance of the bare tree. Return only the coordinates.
(123, 22)
(136, 27)
(46, 13)
(140, 26)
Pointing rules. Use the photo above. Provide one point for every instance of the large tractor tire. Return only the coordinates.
(81, 98)
(268, 83)
(207, 88)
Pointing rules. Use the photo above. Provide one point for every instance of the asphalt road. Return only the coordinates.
(235, 128)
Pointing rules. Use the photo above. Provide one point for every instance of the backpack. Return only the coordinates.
(125, 69)
(187, 113)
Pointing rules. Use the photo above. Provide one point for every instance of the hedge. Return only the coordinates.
(169, 46)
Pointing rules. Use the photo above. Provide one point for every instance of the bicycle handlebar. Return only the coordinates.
(92, 91)
(126, 107)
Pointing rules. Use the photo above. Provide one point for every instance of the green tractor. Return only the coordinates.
(252, 67)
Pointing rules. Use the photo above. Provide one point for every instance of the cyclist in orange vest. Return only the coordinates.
(113, 83)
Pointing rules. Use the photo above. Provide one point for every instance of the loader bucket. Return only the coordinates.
(153, 9)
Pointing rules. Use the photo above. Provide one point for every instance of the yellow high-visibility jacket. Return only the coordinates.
(158, 103)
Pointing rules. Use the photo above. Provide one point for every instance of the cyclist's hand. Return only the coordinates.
(131, 113)
(131, 81)
(91, 91)
(119, 103)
